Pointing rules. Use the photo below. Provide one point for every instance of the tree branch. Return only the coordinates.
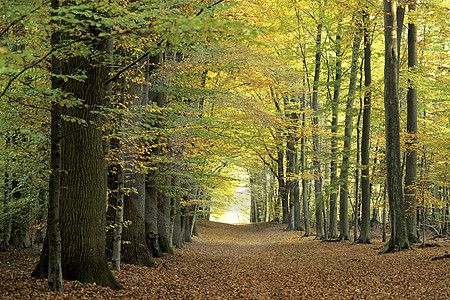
(17, 21)
(23, 71)
(133, 63)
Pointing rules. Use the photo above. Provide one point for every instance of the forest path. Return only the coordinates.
(254, 261)
(262, 261)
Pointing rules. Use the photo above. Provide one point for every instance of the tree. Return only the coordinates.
(334, 183)
(364, 236)
(53, 220)
(399, 238)
(411, 152)
(83, 198)
(348, 128)
(316, 140)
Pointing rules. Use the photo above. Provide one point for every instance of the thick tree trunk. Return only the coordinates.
(187, 226)
(164, 226)
(178, 238)
(345, 166)
(83, 198)
(135, 250)
(399, 237)
(151, 216)
(364, 235)
(411, 153)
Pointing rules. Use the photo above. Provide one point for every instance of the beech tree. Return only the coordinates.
(411, 152)
(399, 237)
(364, 236)
(84, 194)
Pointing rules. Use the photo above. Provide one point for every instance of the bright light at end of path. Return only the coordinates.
(232, 216)
(238, 208)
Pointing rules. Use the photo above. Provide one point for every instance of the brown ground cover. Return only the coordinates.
(255, 261)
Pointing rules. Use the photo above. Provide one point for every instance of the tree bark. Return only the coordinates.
(345, 166)
(164, 235)
(334, 183)
(83, 196)
(411, 127)
(151, 216)
(364, 235)
(178, 238)
(320, 234)
(135, 250)
(306, 217)
(399, 237)
(118, 219)
(53, 219)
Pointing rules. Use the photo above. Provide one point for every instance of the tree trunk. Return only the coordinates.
(282, 195)
(83, 198)
(345, 166)
(118, 219)
(187, 225)
(151, 216)
(5, 226)
(316, 141)
(334, 183)
(135, 250)
(399, 237)
(165, 243)
(305, 199)
(411, 153)
(364, 235)
(253, 200)
(178, 238)
(53, 219)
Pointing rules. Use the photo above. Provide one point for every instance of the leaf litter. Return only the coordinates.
(254, 261)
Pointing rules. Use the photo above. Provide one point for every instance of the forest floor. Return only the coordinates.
(256, 261)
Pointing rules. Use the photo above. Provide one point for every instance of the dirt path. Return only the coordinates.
(257, 261)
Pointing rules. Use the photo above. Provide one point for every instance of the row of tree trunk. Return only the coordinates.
(402, 232)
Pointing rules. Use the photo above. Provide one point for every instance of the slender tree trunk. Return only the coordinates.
(53, 219)
(384, 213)
(305, 199)
(253, 200)
(334, 182)
(364, 235)
(399, 237)
(357, 170)
(118, 220)
(411, 153)
(282, 195)
(320, 234)
(187, 225)
(345, 166)
(5, 226)
(117, 183)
